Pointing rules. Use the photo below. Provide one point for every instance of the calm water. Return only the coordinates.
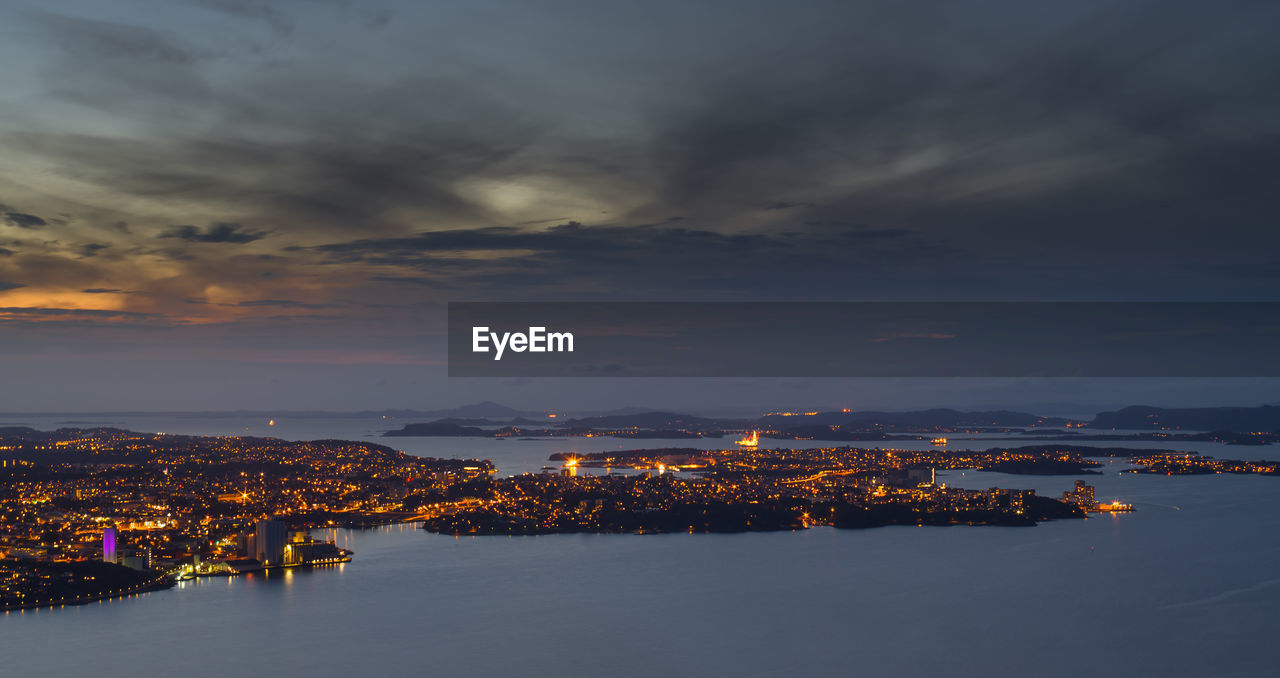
(1187, 586)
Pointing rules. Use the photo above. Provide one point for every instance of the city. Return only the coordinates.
(175, 507)
(102, 513)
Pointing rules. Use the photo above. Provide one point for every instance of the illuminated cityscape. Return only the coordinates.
(172, 507)
(164, 508)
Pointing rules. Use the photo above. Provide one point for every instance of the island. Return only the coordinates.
(532, 504)
(1232, 426)
(692, 490)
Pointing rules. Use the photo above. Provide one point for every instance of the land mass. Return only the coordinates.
(1232, 425)
(1227, 419)
(180, 502)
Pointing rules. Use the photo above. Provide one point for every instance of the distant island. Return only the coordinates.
(1230, 425)
(1227, 419)
(440, 428)
(748, 490)
(665, 503)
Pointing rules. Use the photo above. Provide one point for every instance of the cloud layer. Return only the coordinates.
(295, 169)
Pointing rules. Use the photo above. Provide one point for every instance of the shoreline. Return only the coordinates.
(161, 583)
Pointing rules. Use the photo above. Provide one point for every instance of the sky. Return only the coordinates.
(223, 204)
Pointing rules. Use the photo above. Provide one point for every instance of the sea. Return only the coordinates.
(1186, 585)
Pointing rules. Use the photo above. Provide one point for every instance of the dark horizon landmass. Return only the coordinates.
(1264, 417)
(1238, 425)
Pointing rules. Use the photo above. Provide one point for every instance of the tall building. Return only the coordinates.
(1082, 495)
(136, 558)
(247, 544)
(110, 540)
(270, 537)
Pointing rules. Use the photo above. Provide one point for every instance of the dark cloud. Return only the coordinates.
(539, 222)
(877, 233)
(613, 259)
(1036, 142)
(122, 67)
(91, 249)
(870, 150)
(282, 16)
(37, 311)
(406, 279)
(252, 9)
(284, 303)
(23, 220)
(102, 290)
(564, 238)
(109, 40)
(9, 285)
(5, 252)
(1081, 119)
(221, 232)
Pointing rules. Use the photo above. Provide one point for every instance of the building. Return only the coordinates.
(270, 538)
(313, 552)
(136, 558)
(909, 477)
(110, 542)
(1082, 495)
(246, 544)
(1008, 500)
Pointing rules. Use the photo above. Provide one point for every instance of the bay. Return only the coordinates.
(1188, 585)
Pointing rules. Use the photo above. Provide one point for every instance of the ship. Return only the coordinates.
(940, 442)
(750, 441)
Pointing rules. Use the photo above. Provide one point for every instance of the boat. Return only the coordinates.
(750, 441)
(940, 442)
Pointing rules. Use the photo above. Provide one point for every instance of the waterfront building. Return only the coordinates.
(246, 544)
(270, 538)
(1081, 495)
(313, 552)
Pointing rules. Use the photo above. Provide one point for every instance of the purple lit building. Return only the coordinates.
(110, 538)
